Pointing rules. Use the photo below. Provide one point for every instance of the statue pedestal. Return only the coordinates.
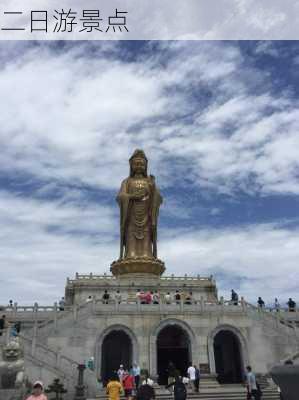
(138, 267)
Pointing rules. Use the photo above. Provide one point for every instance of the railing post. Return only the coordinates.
(243, 304)
(75, 312)
(160, 303)
(93, 304)
(58, 357)
(55, 315)
(7, 334)
(222, 304)
(202, 304)
(182, 304)
(15, 309)
(34, 337)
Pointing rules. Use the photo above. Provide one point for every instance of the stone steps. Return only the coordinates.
(234, 392)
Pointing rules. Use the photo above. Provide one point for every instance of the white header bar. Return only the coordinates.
(149, 19)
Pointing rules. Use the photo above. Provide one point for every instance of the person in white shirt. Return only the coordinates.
(120, 373)
(117, 297)
(251, 384)
(191, 371)
(167, 298)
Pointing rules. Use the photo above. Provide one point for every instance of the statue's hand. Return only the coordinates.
(137, 196)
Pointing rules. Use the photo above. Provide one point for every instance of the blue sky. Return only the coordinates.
(219, 122)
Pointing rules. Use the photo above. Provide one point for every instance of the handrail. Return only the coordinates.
(277, 318)
(92, 276)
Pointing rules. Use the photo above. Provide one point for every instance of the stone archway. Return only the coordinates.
(227, 354)
(116, 345)
(173, 340)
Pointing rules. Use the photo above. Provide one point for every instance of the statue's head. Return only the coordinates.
(12, 351)
(138, 163)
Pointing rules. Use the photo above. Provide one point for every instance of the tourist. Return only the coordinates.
(2, 324)
(142, 297)
(117, 297)
(291, 304)
(167, 298)
(61, 304)
(120, 373)
(106, 297)
(179, 387)
(18, 327)
(171, 374)
(88, 300)
(251, 385)
(13, 331)
(146, 390)
(276, 305)
(177, 297)
(128, 383)
(136, 373)
(37, 392)
(148, 297)
(114, 388)
(90, 363)
(156, 297)
(147, 380)
(192, 376)
(197, 378)
(10, 305)
(138, 293)
(260, 303)
(234, 298)
(188, 298)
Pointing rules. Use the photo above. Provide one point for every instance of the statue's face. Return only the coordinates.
(11, 352)
(139, 165)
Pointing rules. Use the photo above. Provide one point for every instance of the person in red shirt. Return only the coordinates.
(128, 384)
(149, 297)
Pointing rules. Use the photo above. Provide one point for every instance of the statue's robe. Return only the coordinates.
(138, 218)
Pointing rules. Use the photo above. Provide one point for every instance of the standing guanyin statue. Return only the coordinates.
(139, 200)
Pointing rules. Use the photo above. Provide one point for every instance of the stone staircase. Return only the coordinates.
(223, 392)
(41, 360)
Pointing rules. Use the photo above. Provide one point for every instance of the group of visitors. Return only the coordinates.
(276, 306)
(148, 297)
(127, 382)
(261, 304)
(178, 384)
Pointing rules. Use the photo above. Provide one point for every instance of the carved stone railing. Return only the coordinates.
(278, 321)
(58, 363)
(170, 278)
(49, 314)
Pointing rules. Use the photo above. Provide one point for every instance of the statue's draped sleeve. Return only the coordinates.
(156, 202)
(123, 200)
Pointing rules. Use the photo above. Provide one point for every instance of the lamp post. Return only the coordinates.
(80, 388)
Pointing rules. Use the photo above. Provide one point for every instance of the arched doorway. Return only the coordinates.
(116, 350)
(227, 353)
(173, 345)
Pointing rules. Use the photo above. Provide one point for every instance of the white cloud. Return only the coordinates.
(263, 257)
